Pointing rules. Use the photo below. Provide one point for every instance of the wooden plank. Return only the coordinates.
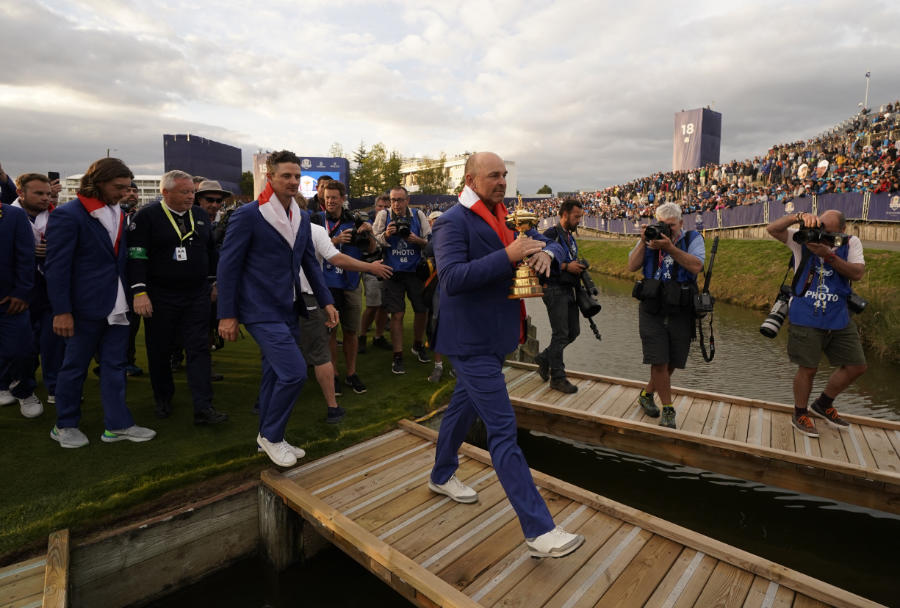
(511, 373)
(894, 437)
(752, 563)
(344, 454)
(831, 444)
(22, 584)
(727, 587)
(806, 445)
(365, 547)
(768, 405)
(782, 432)
(882, 451)
(360, 461)
(766, 594)
(684, 581)
(760, 432)
(857, 447)
(56, 574)
(586, 395)
(528, 386)
(802, 601)
(738, 423)
(605, 400)
(717, 421)
(695, 419)
(621, 404)
(635, 585)
(587, 586)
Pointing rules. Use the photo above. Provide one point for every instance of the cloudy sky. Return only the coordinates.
(580, 94)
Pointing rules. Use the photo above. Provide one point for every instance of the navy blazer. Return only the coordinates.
(17, 255)
(259, 273)
(82, 267)
(476, 316)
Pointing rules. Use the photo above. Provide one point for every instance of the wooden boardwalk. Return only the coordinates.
(41, 581)
(745, 438)
(372, 501)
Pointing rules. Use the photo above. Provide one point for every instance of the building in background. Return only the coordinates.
(697, 139)
(311, 169)
(148, 188)
(201, 156)
(454, 170)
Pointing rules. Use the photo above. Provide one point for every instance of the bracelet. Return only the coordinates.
(799, 218)
(829, 259)
(143, 293)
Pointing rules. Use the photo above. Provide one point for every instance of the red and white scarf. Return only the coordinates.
(497, 221)
(113, 220)
(286, 223)
(39, 225)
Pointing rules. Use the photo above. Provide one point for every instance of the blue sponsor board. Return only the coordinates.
(884, 207)
(314, 167)
(200, 156)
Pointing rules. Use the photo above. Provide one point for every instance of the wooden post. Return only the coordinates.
(279, 529)
(56, 573)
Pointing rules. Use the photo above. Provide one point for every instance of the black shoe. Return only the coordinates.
(830, 415)
(337, 387)
(361, 349)
(358, 387)
(397, 366)
(543, 366)
(563, 385)
(133, 370)
(163, 409)
(649, 406)
(421, 354)
(210, 416)
(381, 342)
(335, 415)
(214, 377)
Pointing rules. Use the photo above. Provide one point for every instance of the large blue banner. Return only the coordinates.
(743, 215)
(849, 203)
(884, 207)
(696, 139)
(205, 157)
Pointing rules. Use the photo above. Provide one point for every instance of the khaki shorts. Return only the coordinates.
(843, 347)
(349, 304)
(374, 290)
(314, 333)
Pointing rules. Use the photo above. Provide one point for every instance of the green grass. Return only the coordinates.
(46, 487)
(748, 273)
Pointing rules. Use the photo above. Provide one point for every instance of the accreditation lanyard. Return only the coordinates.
(181, 237)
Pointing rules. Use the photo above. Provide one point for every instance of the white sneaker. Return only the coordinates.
(297, 452)
(133, 433)
(455, 489)
(6, 398)
(280, 453)
(31, 406)
(51, 399)
(555, 543)
(69, 437)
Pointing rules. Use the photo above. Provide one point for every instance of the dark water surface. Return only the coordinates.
(850, 547)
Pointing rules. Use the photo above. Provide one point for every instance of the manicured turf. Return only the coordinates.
(46, 487)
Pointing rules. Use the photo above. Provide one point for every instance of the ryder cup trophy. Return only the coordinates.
(525, 283)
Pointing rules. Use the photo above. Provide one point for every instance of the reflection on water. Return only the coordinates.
(848, 546)
(746, 363)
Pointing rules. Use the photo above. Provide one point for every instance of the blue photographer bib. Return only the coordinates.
(821, 297)
(338, 278)
(657, 266)
(401, 255)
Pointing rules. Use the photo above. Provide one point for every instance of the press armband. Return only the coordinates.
(137, 253)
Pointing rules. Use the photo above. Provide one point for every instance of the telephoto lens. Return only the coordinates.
(775, 319)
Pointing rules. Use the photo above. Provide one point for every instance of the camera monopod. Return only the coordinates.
(703, 305)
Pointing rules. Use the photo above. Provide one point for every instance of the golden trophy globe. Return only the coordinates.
(525, 282)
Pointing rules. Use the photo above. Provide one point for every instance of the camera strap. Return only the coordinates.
(804, 258)
(707, 355)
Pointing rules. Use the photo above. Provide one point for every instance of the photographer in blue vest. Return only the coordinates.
(825, 262)
(403, 232)
(353, 237)
(670, 260)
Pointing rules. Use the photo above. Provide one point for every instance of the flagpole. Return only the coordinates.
(866, 101)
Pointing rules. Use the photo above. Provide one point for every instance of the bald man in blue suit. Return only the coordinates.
(478, 325)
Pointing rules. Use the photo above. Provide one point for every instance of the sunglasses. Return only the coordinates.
(217, 201)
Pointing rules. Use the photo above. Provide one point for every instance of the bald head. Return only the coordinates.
(486, 175)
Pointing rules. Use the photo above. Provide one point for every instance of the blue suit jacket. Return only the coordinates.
(82, 268)
(476, 316)
(17, 253)
(259, 273)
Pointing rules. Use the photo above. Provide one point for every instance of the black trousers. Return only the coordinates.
(134, 321)
(564, 324)
(179, 316)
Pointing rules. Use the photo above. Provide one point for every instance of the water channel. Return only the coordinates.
(847, 546)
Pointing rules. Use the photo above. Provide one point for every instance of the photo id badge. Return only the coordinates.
(181, 254)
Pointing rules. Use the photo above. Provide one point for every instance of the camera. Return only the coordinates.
(656, 230)
(703, 304)
(403, 227)
(775, 319)
(357, 238)
(586, 293)
(855, 303)
(817, 235)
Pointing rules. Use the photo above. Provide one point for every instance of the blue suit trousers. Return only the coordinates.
(110, 342)
(481, 391)
(283, 375)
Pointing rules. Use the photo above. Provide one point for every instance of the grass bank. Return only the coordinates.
(46, 487)
(748, 273)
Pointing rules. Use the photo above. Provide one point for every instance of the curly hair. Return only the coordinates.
(100, 172)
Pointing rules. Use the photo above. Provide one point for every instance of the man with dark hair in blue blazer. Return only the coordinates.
(266, 244)
(16, 285)
(478, 325)
(85, 270)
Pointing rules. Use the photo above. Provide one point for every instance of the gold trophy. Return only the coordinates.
(525, 283)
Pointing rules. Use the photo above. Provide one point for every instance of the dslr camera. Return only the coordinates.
(357, 238)
(586, 293)
(775, 318)
(403, 227)
(817, 235)
(656, 230)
